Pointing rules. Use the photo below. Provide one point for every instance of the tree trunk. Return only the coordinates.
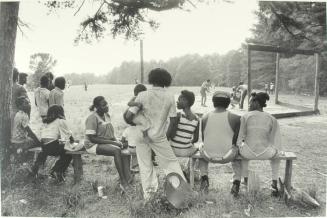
(8, 29)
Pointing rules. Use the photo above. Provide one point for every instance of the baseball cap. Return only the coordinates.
(221, 94)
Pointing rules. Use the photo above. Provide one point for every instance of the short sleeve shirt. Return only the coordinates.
(95, 125)
(56, 97)
(57, 129)
(21, 121)
(158, 106)
(42, 100)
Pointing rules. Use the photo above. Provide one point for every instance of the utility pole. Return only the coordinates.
(142, 67)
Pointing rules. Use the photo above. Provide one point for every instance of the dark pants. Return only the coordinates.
(244, 93)
(53, 149)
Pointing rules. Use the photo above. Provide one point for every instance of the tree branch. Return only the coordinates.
(79, 8)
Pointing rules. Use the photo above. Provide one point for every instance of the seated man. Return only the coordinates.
(219, 133)
(259, 139)
(186, 132)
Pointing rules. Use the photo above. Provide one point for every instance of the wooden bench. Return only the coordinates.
(77, 160)
(287, 156)
(78, 164)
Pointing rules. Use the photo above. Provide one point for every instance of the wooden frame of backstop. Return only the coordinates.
(278, 50)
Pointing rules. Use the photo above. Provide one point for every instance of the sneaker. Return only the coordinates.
(204, 186)
(235, 188)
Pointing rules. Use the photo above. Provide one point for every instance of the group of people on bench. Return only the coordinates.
(156, 127)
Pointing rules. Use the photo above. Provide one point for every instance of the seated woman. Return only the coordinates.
(53, 132)
(100, 139)
(259, 139)
(219, 132)
(186, 132)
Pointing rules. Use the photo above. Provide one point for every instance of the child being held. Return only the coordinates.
(135, 111)
(23, 137)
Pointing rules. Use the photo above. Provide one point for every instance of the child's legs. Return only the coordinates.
(148, 173)
(166, 157)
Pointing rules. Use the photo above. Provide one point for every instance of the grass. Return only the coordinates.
(303, 135)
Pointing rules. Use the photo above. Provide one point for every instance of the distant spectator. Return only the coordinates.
(17, 90)
(41, 95)
(244, 91)
(272, 88)
(50, 76)
(85, 86)
(57, 94)
(203, 91)
(23, 137)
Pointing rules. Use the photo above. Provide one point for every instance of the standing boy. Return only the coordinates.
(57, 94)
(41, 95)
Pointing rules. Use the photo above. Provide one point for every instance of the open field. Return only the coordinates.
(306, 136)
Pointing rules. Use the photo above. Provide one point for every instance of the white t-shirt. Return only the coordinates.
(42, 100)
(133, 135)
(158, 107)
(57, 129)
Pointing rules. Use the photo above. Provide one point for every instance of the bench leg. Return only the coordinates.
(288, 175)
(191, 167)
(78, 168)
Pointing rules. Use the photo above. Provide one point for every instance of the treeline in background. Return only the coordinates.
(286, 24)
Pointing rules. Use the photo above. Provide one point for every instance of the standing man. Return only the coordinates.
(57, 94)
(158, 106)
(50, 77)
(272, 88)
(41, 95)
(17, 91)
(204, 89)
(244, 91)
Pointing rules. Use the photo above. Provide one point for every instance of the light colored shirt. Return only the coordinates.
(19, 133)
(42, 100)
(259, 130)
(133, 135)
(243, 87)
(57, 129)
(95, 125)
(158, 106)
(218, 134)
(56, 97)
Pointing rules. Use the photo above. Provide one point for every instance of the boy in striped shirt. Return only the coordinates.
(186, 132)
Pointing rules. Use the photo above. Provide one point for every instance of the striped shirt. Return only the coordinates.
(184, 134)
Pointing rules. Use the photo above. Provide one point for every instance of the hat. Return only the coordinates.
(177, 191)
(221, 94)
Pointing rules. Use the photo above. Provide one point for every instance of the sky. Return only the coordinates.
(215, 28)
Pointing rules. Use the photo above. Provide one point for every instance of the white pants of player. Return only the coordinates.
(240, 167)
(166, 160)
